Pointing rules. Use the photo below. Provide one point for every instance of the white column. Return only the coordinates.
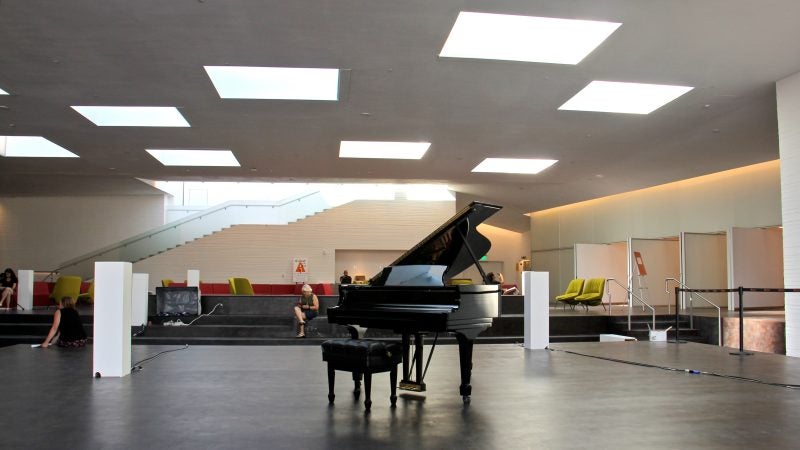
(140, 281)
(112, 318)
(788, 93)
(25, 288)
(193, 279)
(537, 312)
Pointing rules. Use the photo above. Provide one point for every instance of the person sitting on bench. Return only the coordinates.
(307, 308)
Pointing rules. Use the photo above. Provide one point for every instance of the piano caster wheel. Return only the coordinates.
(393, 399)
(466, 399)
(330, 398)
(367, 405)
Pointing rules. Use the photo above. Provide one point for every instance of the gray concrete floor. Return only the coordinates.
(275, 397)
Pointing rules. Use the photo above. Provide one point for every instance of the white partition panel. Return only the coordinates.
(140, 281)
(604, 261)
(755, 260)
(25, 289)
(112, 319)
(704, 265)
(661, 259)
(537, 312)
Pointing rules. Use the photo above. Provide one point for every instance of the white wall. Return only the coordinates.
(755, 260)
(788, 93)
(746, 197)
(603, 261)
(705, 266)
(263, 253)
(661, 259)
(363, 262)
(41, 232)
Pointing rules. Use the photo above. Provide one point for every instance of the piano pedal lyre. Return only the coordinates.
(412, 386)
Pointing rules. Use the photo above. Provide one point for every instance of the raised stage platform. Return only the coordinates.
(276, 397)
(268, 320)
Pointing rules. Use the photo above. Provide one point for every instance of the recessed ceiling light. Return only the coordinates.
(514, 165)
(275, 83)
(383, 150)
(2, 92)
(204, 158)
(524, 38)
(617, 97)
(32, 147)
(133, 116)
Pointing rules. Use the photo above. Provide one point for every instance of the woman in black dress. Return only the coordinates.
(67, 324)
(8, 282)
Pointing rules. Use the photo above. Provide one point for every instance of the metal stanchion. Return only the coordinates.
(741, 351)
(677, 318)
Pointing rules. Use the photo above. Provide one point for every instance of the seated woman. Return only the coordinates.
(67, 324)
(307, 308)
(8, 282)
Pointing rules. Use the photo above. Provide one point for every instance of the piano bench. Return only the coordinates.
(362, 357)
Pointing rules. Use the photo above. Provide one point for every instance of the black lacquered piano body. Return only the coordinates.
(464, 310)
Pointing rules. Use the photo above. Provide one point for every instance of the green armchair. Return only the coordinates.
(66, 286)
(240, 286)
(592, 294)
(573, 290)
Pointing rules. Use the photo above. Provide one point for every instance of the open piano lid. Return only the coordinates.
(456, 244)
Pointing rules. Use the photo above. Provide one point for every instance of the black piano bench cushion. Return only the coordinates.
(372, 356)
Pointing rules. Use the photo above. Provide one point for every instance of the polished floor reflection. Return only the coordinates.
(275, 397)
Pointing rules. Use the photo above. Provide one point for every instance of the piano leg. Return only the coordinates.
(406, 341)
(331, 377)
(465, 359)
(418, 353)
(356, 385)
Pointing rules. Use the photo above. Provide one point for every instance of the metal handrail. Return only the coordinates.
(631, 296)
(691, 306)
(200, 215)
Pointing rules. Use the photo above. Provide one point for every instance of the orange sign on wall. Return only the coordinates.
(299, 270)
(639, 263)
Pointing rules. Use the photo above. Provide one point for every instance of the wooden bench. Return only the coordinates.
(362, 357)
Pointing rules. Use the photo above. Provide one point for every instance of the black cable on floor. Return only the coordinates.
(673, 369)
(138, 365)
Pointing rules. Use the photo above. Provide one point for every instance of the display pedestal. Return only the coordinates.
(141, 281)
(537, 309)
(25, 289)
(112, 319)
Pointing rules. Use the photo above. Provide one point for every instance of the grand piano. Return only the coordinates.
(412, 311)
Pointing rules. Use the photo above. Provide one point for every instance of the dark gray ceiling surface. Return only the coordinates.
(395, 87)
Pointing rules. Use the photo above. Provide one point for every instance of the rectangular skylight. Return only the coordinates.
(383, 150)
(275, 83)
(32, 147)
(197, 158)
(524, 38)
(133, 116)
(618, 97)
(514, 165)
(2, 92)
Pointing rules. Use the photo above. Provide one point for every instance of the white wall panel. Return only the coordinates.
(788, 92)
(41, 232)
(706, 266)
(661, 259)
(756, 261)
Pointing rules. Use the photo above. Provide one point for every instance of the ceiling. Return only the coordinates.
(394, 87)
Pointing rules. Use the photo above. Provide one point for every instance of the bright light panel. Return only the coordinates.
(275, 83)
(524, 38)
(2, 92)
(383, 150)
(617, 97)
(32, 147)
(199, 158)
(514, 165)
(133, 116)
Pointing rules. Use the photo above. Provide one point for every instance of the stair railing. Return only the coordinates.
(631, 296)
(691, 306)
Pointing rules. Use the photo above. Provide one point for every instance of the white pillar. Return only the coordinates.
(140, 281)
(788, 93)
(25, 288)
(537, 312)
(193, 279)
(112, 318)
